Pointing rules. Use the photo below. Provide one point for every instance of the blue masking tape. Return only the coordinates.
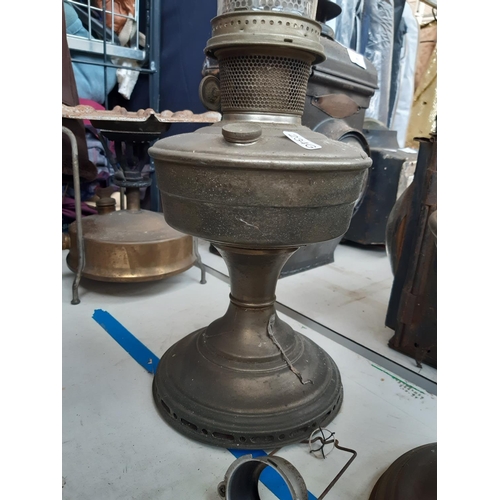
(149, 361)
(129, 342)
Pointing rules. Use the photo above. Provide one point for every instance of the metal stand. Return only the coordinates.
(78, 212)
(199, 261)
(294, 385)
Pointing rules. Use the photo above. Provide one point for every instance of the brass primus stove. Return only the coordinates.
(258, 185)
(131, 244)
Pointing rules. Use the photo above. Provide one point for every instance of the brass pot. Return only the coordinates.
(130, 245)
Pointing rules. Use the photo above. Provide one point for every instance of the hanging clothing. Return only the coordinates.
(88, 171)
(121, 9)
(185, 31)
(347, 24)
(367, 27)
(92, 81)
(400, 30)
(376, 44)
(404, 86)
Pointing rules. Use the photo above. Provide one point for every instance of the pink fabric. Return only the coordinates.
(95, 105)
(69, 208)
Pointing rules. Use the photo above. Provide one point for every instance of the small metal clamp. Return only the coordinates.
(242, 478)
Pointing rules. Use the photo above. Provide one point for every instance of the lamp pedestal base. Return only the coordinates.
(248, 380)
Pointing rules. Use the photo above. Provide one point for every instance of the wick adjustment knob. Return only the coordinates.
(241, 133)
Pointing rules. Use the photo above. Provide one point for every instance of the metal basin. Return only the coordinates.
(271, 193)
(125, 246)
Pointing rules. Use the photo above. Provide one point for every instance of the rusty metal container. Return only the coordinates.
(411, 245)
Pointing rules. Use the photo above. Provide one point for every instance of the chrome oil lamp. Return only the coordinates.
(258, 185)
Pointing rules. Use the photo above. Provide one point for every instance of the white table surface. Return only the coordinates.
(116, 446)
(349, 296)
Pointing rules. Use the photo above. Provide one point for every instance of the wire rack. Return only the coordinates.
(102, 21)
(119, 30)
(117, 34)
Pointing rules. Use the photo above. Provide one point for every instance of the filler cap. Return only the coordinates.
(241, 133)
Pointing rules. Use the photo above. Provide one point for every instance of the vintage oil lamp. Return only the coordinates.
(257, 185)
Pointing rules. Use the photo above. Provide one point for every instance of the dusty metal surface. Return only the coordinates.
(209, 92)
(268, 194)
(413, 476)
(83, 112)
(249, 80)
(275, 30)
(258, 185)
(280, 390)
(336, 105)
